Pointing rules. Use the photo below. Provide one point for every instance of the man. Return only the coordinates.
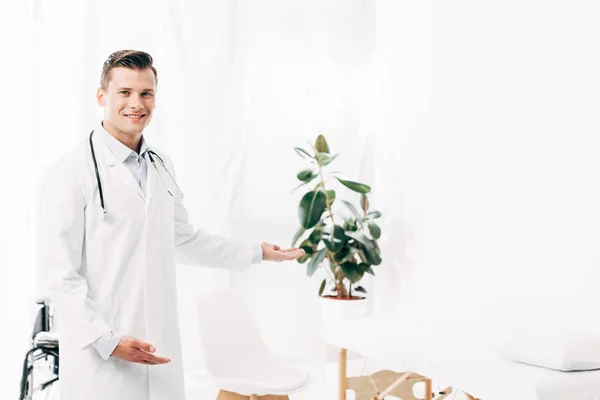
(112, 228)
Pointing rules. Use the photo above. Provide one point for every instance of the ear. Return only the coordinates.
(100, 97)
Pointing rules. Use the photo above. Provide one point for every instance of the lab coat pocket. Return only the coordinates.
(97, 223)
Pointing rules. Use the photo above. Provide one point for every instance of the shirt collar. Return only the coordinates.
(118, 149)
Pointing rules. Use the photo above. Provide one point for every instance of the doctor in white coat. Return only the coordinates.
(112, 228)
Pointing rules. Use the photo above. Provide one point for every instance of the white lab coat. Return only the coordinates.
(118, 273)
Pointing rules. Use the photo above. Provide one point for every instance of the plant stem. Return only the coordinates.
(339, 279)
(326, 195)
(329, 269)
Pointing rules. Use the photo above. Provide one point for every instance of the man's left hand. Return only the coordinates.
(275, 253)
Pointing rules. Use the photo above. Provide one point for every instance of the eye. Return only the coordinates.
(124, 92)
(147, 94)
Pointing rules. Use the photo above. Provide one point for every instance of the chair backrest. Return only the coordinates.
(229, 338)
(42, 321)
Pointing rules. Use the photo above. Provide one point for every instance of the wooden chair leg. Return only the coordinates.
(428, 391)
(225, 395)
(254, 397)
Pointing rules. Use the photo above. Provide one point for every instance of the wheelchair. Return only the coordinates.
(42, 360)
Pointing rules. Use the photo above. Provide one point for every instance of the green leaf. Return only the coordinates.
(299, 186)
(351, 256)
(366, 268)
(374, 214)
(364, 202)
(306, 175)
(375, 230)
(353, 209)
(303, 258)
(311, 207)
(298, 234)
(322, 287)
(355, 186)
(362, 239)
(371, 255)
(341, 254)
(351, 272)
(303, 153)
(325, 159)
(315, 236)
(317, 233)
(321, 144)
(350, 225)
(307, 246)
(339, 239)
(360, 289)
(331, 196)
(316, 261)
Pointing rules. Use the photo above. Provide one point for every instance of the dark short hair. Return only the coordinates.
(132, 59)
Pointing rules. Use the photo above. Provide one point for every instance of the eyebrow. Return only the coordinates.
(126, 88)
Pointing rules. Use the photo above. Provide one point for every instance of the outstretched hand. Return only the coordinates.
(136, 351)
(275, 253)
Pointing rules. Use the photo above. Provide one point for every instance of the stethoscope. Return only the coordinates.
(175, 192)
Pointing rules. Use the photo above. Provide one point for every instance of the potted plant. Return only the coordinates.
(335, 234)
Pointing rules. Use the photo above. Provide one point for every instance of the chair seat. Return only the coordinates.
(235, 355)
(269, 378)
(46, 339)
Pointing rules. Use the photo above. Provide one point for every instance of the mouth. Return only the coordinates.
(135, 117)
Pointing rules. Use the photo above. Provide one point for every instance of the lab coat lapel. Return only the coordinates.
(116, 170)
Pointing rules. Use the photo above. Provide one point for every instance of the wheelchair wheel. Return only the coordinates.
(29, 380)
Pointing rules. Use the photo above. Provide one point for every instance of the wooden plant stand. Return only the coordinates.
(399, 384)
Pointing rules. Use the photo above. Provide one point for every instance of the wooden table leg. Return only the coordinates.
(343, 378)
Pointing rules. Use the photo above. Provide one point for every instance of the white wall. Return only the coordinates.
(496, 138)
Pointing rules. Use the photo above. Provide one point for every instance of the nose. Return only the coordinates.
(135, 101)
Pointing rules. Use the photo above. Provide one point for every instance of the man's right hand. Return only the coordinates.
(134, 350)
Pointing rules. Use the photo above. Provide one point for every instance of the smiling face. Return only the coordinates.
(128, 100)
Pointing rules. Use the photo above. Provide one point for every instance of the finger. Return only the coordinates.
(275, 247)
(289, 250)
(138, 344)
(153, 359)
(294, 254)
(144, 362)
(289, 255)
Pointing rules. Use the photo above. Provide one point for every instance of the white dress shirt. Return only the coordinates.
(138, 166)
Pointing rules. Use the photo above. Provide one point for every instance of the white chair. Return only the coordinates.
(235, 355)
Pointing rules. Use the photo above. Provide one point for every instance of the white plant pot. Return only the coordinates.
(333, 309)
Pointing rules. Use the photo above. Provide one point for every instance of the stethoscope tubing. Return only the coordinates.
(151, 155)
